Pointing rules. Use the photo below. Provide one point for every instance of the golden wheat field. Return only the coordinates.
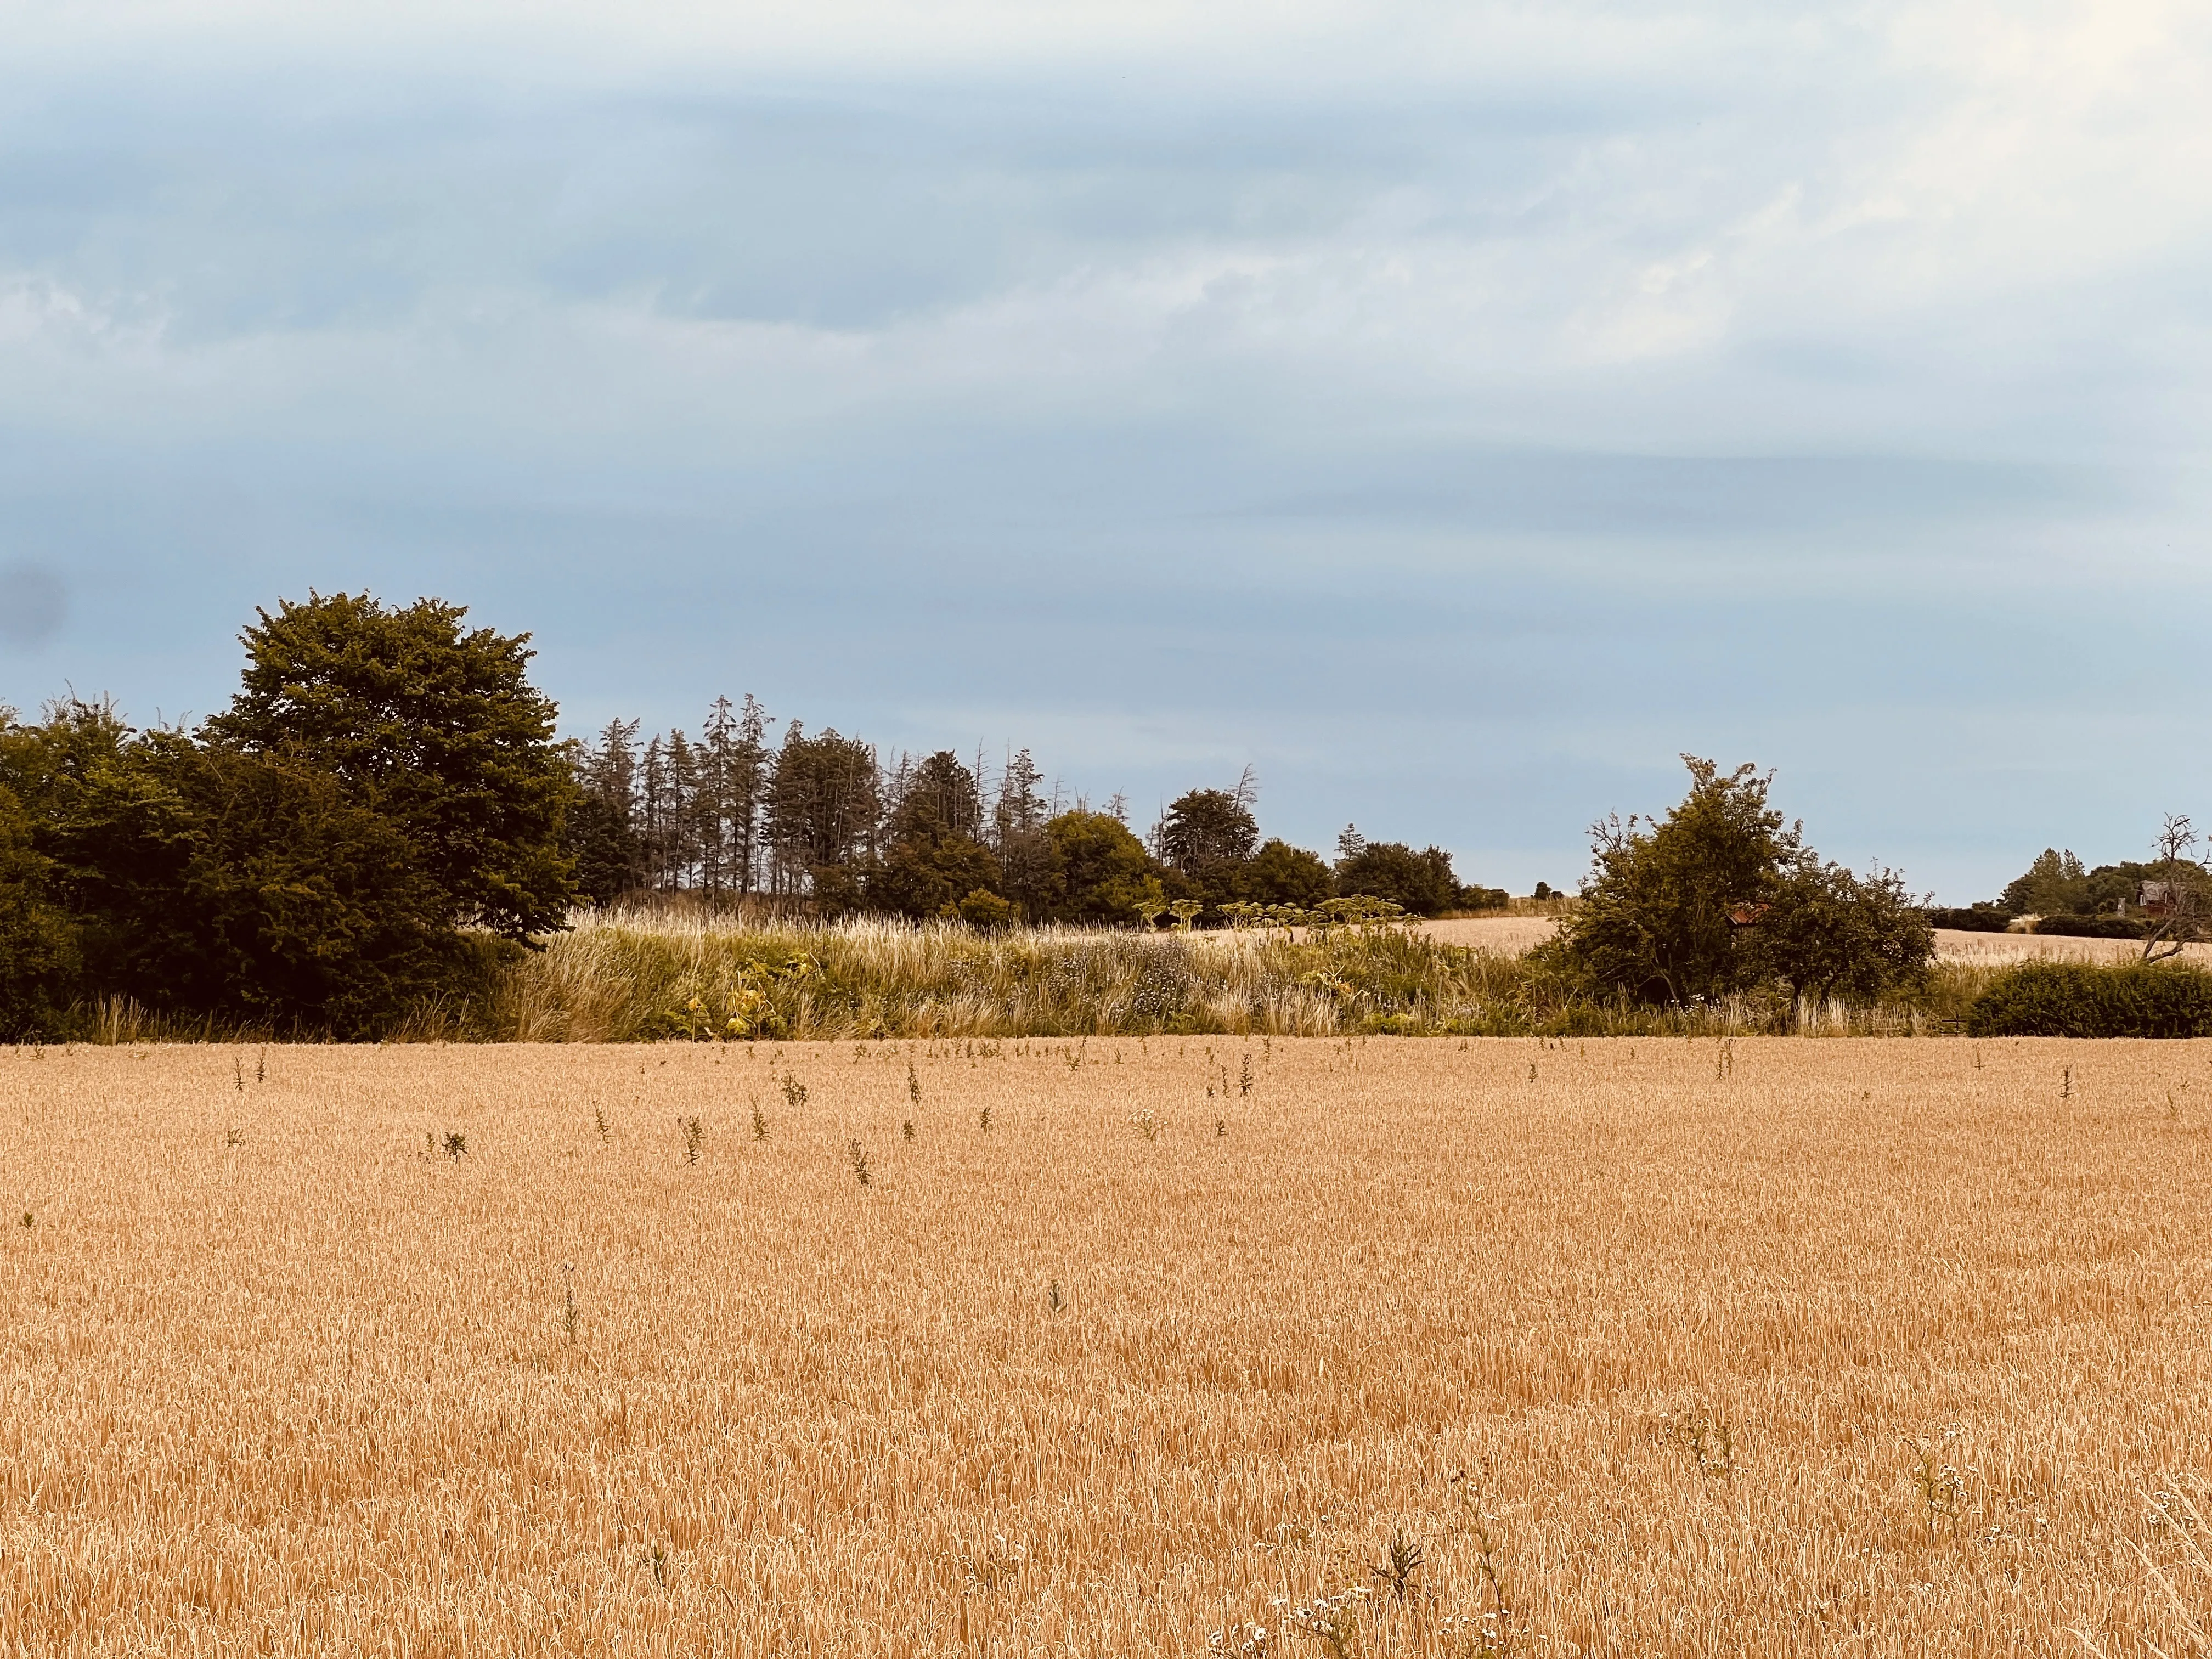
(1646, 1346)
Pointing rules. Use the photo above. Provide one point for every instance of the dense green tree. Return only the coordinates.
(39, 959)
(600, 832)
(1029, 861)
(824, 805)
(921, 877)
(435, 729)
(939, 800)
(1824, 932)
(1206, 839)
(1102, 873)
(1205, 829)
(933, 859)
(215, 881)
(2054, 884)
(1661, 907)
(1422, 882)
(1279, 873)
(1722, 894)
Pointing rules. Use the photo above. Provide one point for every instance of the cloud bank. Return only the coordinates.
(1457, 410)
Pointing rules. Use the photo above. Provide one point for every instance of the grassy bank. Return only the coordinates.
(618, 978)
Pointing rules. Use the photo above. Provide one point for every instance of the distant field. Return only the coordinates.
(1510, 934)
(1649, 1346)
(1514, 935)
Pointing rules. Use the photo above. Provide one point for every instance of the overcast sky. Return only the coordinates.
(1453, 412)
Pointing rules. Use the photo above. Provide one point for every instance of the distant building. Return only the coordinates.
(2156, 897)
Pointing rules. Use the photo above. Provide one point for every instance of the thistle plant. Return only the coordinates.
(694, 1135)
(859, 1160)
(760, 1123)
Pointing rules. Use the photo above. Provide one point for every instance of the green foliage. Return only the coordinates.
(1206, 839)
(2085, 1000)
(229, 883)
(934, 860)
(929, 878)
(823, 804)
(1205, 829)
(1976, 919)
(1279, 873)
(2054, 883)
(1099, 871)
(983, 908)
(2103, 927)
(2057, 885)
(1827, 933)
(1421, 881)
(38, 947)
(939, 801)
(866, 981)
(1659, 916)
(1721, 895)
(435, 730)
(599, 834)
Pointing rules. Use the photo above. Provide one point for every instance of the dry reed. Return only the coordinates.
(621, 977)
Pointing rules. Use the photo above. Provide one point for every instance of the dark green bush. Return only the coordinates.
(1976, 919)
(2090, 927)
(2083, 1000)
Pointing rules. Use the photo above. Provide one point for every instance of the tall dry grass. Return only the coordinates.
(620, 977)
(1645, 1346)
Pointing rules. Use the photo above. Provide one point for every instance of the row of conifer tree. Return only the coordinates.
(824, 819)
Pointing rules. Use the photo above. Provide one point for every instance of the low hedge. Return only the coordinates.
(2093, 927)
(2084, 999)
(1980, 919)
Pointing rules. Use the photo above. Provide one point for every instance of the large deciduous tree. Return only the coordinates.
(1422, 882)
(434, 728)
(1722, 893)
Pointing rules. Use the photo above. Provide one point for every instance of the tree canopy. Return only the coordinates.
(1721, 894)
(434, 728)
